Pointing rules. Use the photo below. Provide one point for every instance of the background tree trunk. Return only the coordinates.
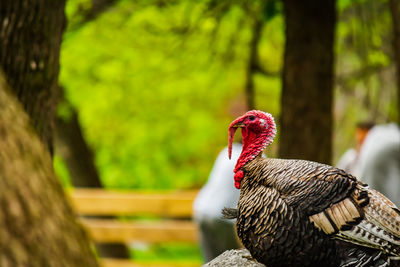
(70, 143)
(83, 15)
(395, 11)
(307, 92)
(71, 146)
(252, 64)
(30, 35)
(76, 153)
(37, 227)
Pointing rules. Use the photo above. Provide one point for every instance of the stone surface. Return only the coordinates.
(238, 257)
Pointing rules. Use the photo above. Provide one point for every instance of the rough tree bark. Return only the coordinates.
(30, 37)
(307, 92)
(395, 11)
(37, 227)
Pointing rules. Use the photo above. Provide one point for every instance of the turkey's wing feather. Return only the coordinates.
(305, 185)
(340, 216)
(318, 191)
(377, 226)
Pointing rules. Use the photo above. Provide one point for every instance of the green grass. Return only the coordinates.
(172, 252)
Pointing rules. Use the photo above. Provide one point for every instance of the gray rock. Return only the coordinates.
(237, 257)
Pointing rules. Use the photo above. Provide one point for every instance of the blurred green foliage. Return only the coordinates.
(154, 85)
(155, 82)
(365, 83)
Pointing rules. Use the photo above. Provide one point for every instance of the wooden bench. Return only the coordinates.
(172, 211)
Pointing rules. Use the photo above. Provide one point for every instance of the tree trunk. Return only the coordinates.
(30, 37)
(83, 16)
(307, 92)
(395, 11)
(72, 147)
(37, 227)
(252, 64)
(71, 144)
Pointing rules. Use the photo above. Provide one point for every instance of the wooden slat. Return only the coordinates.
(152, 232)
(104, 262)
(101, 202)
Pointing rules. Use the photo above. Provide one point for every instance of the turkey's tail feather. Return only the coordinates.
(229, 213)
(380, 227)
(357, 256)
(365, 218)
(360, 258)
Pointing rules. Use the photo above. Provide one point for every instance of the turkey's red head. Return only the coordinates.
(258, 131)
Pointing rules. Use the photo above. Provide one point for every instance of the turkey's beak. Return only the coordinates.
(238, 125)
(232, 130)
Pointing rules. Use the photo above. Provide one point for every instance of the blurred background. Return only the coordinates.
(155, 83)
(147, 88)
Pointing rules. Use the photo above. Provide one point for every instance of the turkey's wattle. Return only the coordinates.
(303, 213)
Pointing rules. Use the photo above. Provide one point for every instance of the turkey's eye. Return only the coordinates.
(252, 118)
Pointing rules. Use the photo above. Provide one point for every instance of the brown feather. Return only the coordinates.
(322, 222)
(288, 206)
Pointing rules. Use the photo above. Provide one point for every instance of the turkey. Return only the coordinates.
(303, 213)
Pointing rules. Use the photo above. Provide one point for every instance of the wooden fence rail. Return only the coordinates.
(172, 213)
(101, 202)
(150, 232)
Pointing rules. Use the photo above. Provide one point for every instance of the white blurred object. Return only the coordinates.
(348, 161)
(216, 234)
(219, 191)
(378, 162)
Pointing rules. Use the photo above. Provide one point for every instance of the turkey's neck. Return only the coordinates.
(253, 145)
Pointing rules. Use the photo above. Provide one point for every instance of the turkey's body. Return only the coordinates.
(290, 210)
(278, 234)
(302, 213)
